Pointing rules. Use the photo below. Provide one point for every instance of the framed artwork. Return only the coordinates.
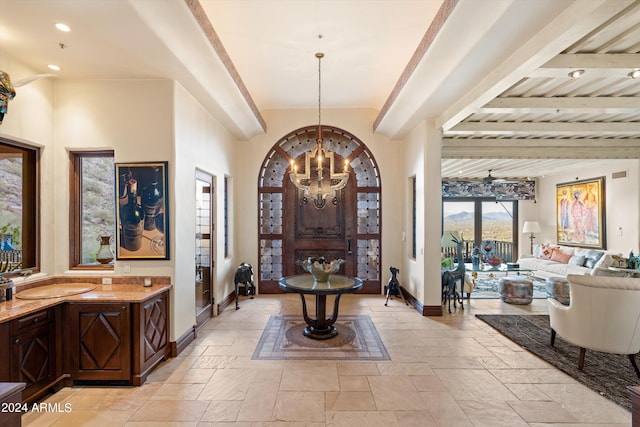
(143, 214)
(580, 213)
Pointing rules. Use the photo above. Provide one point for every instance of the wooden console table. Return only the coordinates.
(320, 328)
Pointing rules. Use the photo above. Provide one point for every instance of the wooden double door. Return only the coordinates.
(311, 232)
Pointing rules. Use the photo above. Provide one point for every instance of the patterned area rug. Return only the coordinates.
(487, 287)
(605, 373)
(283, 339)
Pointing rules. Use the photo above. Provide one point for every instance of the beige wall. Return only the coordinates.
(30, 119)
(131, 117)
(251, 154)
(141, 120)
(201, 143)
(622, 204)
(421, 156)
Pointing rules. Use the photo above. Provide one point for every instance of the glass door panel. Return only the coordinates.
(497, 227)
(203, 258)
(459, 216)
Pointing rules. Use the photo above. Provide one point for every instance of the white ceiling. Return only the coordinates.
(491, 73)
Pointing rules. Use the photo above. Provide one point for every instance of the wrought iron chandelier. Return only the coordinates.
(313, 182)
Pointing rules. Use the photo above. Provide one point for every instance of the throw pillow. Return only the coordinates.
(545, 252)
(566, 249)
(577, 260)
(558, 256)
(592, 258)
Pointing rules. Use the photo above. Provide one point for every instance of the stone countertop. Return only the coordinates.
(17, 307)
(7, 389)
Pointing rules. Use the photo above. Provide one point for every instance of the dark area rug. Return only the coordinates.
(283, 339)
(607, 374)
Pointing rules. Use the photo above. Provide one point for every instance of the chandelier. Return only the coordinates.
(312, 182)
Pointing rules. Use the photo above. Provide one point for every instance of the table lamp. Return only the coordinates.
(531, 227)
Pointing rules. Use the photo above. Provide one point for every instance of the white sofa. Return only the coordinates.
(550, 260)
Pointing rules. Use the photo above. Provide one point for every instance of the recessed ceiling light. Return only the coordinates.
(576, 74)
(63, 27)
(635, 73)
(54, 67)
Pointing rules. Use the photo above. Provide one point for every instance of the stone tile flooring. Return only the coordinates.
(452, 370)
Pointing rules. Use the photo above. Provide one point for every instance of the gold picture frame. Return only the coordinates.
(580, 213)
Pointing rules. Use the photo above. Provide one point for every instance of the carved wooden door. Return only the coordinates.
(313, 232)
(349, 229)
(100, 341)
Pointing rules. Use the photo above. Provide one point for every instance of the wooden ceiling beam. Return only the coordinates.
(540, 148)
(594, 64)
(559, 129)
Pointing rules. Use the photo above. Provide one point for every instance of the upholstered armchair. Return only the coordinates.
(604, 315)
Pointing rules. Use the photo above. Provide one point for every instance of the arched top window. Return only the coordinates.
(304, 139)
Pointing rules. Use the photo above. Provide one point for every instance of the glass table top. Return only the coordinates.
(500, 268)
(305, 283)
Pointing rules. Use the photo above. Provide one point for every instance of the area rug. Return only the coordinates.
(607, 374)
(487, 287)
(283, 339)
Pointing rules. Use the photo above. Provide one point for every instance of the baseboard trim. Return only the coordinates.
(181, 343)
(432, 310)
(424, 310)
(229, 300)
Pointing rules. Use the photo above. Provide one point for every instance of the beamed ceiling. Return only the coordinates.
(492, 74)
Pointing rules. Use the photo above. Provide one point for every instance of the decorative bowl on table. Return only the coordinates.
(320, 268)
(494, 261)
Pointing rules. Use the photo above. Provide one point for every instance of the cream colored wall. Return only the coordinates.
(131, 117)
(358, 122)
(30, 119)
(421, 156)
(622, 203)
(137, 119)
(30, 113)
(414, 166)
(200, 143)
(527, 211)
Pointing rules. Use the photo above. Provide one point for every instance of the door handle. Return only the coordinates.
(348, 246)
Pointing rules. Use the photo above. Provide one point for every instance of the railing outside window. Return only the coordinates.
(502, 249)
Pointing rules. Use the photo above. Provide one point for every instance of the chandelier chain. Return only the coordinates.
(319, 55)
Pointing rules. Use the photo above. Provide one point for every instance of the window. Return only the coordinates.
(482, 219)
(18, 199)
(92, 208)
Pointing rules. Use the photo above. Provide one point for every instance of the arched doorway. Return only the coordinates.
(348, 228)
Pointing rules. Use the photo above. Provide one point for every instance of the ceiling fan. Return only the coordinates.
(491, 178)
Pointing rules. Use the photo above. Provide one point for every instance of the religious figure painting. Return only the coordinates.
(580, 213)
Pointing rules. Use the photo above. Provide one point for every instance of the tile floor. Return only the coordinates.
(452, 370)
